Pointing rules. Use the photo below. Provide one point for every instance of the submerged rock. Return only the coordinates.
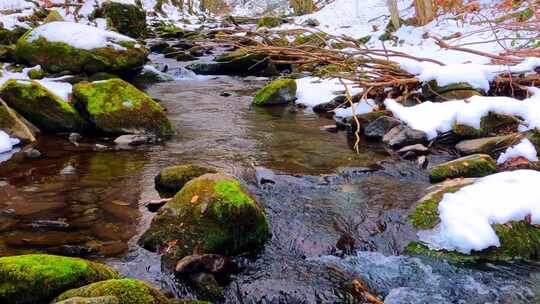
(38, 278)
(14, 125)
(110, 52)
(128, 19)
(402, 135)
(126, 291)
(116, 106)
(211, 214)
(171, 179)
(277, 92)
(476, 165)
(42, 107)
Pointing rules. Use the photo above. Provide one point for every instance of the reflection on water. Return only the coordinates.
(75, 204)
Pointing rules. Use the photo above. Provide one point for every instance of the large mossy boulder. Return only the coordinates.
(127, 19)
(14, 125)
(211, 214)
(171, 179)
(518, 240)
(126, 291)
(238, 62)
(77, 48)
(491, 124)
(42, 107)
(277, 92)
(115, 106)
(476, 165)
(38, 278)
(460, 90)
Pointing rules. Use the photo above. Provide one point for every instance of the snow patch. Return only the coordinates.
(6, 142)
(467, 216)
(362, 107)
(433, 118)
(312, 91)
(78, 35)
(524, 149)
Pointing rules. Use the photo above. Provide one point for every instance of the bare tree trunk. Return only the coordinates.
(394, 14)
(425, 11)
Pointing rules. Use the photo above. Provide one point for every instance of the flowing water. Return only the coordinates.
(334, 214)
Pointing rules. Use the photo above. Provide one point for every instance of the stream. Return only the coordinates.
(328, 207)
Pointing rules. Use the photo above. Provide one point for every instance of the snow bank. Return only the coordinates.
(467, 215)
(437, 117)
(6, 142)
(524, 149)
(78, 35)
(477, 75)
(312, 91)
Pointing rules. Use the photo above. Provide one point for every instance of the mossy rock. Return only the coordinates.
(519, 240)
(38, 278)
(171, 179)
(461, 90)
(238, 62)
(211, 214)
(476, 165)
(269, 22)
(317, 39)
(128, 19)
(116, 106)
(426, 213)
(8, 37)
(127, 291)
(53, 16)
(14, 125)
(490, 124)
(94, 300)
(36, 73)
(55, 57)
(489, 145)
(42, 107)
(277, 92)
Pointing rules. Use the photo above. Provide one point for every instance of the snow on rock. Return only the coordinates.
(60, 89)
(78, 35)
(312, 91)
(363, 107)
(467, 215)
(433, 118)
(6, 142)
(524, 149)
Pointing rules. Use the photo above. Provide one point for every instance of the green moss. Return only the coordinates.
(116, 106)
(277, 92)
(171, 179)
(477, 165)
(127, 291)
(95, 300)
(39, 277)
(426, 213)
(42, 107)
(212, 213)
(318, 39)
(128, 19)
(416, 248)
(36, 73)
(53, 16)
(490, 125)
(56, 57)
(269, 22)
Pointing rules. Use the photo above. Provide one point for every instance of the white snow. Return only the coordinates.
(312, 91)
(467, 215)
(6, 142)
(362, 107)
(60, 89)
(433, 118)
(78, 35)
(524, 149)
